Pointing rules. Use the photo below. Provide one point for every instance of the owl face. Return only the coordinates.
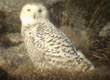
(31, 13)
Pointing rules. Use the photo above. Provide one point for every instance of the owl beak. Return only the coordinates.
(34, 16)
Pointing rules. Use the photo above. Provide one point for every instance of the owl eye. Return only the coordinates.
(40, 10)
(28, 10)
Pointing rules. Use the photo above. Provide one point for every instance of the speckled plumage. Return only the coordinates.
(47, 46)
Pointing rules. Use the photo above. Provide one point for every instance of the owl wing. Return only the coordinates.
(61, 51)
(57, 48)
(51, 41)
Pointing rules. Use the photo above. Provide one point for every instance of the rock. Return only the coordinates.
(16, 55)
(13, 57)
(14, 37)
(105, 31)
(10, 39)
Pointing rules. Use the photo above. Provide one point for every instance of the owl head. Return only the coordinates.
(33, 12)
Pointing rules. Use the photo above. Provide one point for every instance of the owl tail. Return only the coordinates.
(86, 65)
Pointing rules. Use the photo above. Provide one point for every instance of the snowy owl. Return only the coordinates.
(47, 46)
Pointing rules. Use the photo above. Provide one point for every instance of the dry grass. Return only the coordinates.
(26, 72)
